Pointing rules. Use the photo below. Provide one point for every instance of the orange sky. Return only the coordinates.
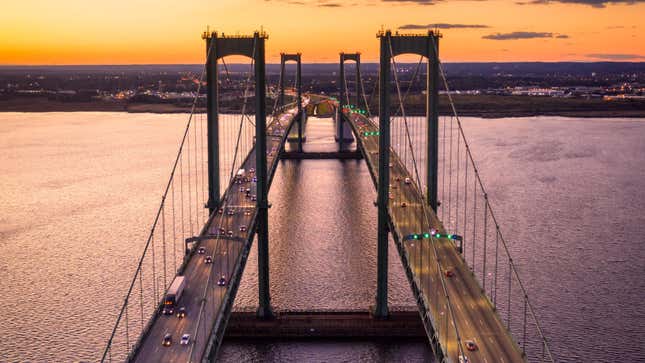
(164, 31)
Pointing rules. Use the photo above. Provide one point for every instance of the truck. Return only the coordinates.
(173, 295)
(239, 177)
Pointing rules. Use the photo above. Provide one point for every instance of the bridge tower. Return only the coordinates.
(284, 57)
(343, 131)
(253, 47)
(391, 46)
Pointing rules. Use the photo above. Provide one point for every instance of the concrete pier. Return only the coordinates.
(326, 324)
(342, 155)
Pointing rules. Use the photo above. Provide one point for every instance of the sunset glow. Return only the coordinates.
(163, 31)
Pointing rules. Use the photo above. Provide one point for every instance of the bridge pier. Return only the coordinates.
(357, 324)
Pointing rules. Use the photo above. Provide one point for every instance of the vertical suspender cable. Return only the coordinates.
(485, 235)
(163, 238)
(174, 236)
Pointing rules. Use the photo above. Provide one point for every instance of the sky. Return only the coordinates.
(57, 32)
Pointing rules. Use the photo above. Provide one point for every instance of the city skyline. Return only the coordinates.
(73, 32)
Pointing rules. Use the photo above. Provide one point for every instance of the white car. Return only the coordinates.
(408, 181)
(185, 339)
(463, 359)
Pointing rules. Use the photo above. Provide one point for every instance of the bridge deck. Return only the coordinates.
(229, 257)
(474, 314)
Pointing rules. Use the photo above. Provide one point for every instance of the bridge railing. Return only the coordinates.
(215, 306)
(180, 214)
(439, 314)
(466, 211)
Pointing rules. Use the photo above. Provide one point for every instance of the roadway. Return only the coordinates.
(225, 241)
(475, 316)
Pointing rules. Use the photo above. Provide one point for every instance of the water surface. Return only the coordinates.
(79, 191)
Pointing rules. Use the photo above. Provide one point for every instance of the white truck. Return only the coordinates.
(239, 177)
(173, 295)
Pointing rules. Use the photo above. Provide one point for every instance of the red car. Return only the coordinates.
(450, 273)
(470, 345)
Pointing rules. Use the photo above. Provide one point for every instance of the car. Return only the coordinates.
(222, 230)
(247, 213)
(242, 228)
(167, 340)
(221, 281)
(168, 310)
(247, 190)
(229, 233)
(208, 259)
(252, 170)
(220, 211)
(254, 198)
(471, 345)
(255, 179)
(449, 273)
(408, 181)
(181, 313)
(201, 250)
(463, 359)
(230, 212)
(185, 339)
(391, 165)
(242, 189)
(404, 204)
(393, 186)
(398, 178)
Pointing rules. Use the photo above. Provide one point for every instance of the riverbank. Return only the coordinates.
(487, 106)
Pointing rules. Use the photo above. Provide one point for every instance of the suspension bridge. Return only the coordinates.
(430, 198)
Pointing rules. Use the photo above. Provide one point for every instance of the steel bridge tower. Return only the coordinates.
(253, 47)
(340, 129)
(391, 46)
(284, 57)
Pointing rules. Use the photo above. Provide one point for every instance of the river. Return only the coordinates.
(79, 191)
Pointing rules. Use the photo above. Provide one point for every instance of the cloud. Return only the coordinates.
(615, 56)
(419, 2)
(442, 26)
(562, 36)
(517, 35)
(594, 3)
(319, 3)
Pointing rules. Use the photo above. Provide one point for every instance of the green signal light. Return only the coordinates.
(426, 235)
(438, 235)
(450, 236)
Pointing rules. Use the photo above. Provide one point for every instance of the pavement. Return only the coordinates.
(474, 315)
(201, 278)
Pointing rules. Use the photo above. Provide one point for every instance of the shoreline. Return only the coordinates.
(484, 107)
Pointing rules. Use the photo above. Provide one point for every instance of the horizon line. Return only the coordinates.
(307, 63)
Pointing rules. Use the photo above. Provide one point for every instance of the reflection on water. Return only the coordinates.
(79, 191)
